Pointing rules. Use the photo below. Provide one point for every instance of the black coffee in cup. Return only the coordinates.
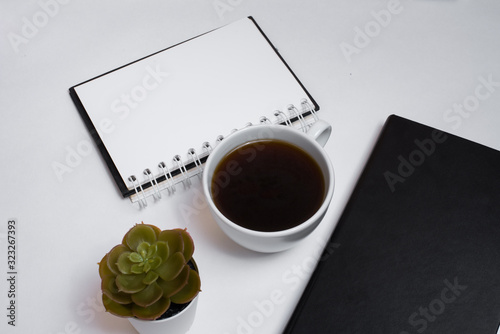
(268, 185)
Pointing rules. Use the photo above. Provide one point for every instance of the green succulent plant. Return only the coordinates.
(148, 271)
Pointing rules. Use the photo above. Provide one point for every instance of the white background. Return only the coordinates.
(425, 59)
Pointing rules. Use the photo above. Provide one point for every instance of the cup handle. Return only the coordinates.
(320, 131)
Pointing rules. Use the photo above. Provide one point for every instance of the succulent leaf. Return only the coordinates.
(188, 244)
(170, 288)
(135, 257)
(143, 249)
(104, 270)
(153, 311)
(116, 308)
(113, 256)
(174, 240)
(169, 269)
(109, 288)
(156, 229)
(162, 250)
(189, 291)
(148, 296)
(120, 298)
(124, 264)
(137, 268)
(108, 283)
(150, 278)
(152, 250)
(138, 234)
(155, 262)
(130, 283)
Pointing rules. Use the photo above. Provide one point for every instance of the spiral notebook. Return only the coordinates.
(156, 119)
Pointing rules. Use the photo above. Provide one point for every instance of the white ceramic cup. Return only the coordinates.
(311, 142)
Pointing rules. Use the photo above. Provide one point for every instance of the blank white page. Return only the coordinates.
(162, 105)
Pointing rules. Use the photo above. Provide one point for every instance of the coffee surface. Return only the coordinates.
(268, 185)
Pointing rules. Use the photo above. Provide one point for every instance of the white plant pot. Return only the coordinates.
(178, 324)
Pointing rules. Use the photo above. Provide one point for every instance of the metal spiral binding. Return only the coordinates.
(157, 193)
(185, 177)
(169, 178)
(142, 197)
(295, 113)
(265, 120)
(207, 147)
(196, 161)
(307, 107)
(281, 114)
(183, 171)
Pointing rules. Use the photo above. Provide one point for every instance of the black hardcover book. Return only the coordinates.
(418, 242)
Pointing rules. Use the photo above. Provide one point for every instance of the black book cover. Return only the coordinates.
(418, 242)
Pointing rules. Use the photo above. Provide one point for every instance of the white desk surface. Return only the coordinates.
(424, 62)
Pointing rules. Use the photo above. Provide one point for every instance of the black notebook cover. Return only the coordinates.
(417, 248)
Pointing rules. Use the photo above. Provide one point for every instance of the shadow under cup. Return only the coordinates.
(274, 241)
